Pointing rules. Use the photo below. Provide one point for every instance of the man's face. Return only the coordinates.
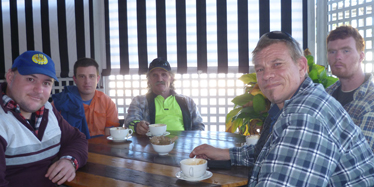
(31, 92)
(86, 80)
(160, 80)
(343, 57)
(278, 76)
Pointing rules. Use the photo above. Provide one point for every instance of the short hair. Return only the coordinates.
(344, 32)
(85, 62)
(267, 39)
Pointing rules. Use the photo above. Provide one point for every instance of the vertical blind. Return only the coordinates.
(198, 36)
(63, 29)
(125, 35)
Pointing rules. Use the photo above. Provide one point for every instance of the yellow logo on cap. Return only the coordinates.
(40, 59)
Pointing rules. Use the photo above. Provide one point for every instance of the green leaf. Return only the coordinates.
(259, 123)
(242, 129)
(247, 110)
(259, 103)
(248, 115)
(232, 113)
(310, 59)
(247, 78)
(237, 123)
(319, 68)
(328, 81)
(242, 99)
(244, 113)
(246, 121)
(313, 74)
(322, 75)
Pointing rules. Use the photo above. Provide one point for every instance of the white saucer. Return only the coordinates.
(165, 133)
(181, 176)
(115, 140)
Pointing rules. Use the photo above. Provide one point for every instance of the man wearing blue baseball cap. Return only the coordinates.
(33, 134)
(162, 104)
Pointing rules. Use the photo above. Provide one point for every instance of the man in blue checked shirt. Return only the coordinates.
(355, 89)
(308, 138)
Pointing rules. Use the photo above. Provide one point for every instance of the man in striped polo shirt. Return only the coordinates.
(37, 146)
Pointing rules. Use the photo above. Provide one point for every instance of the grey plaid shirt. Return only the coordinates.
(361, 109)
(314, 142)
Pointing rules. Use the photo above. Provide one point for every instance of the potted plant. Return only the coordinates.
(251, 108)
(317, 72)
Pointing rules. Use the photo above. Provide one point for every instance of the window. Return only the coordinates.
(358, 14)
(212, 91)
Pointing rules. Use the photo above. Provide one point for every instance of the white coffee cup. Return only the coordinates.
(157, 129)
(252, 139)
(120, 133)
(193, 167)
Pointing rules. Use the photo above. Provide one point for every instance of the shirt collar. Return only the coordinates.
(274, 112)
(172, 92)
(9, 103)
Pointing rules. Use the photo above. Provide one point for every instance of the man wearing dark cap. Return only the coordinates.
(37, 146)
(161, 104)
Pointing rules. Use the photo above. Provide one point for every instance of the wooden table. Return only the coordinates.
(135, 163)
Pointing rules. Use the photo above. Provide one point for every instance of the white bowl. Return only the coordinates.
(163, 149)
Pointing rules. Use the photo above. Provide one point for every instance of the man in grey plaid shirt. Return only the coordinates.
(308, 138)
(355, 89)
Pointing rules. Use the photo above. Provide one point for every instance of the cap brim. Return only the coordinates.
(36, 70)
(158, 68)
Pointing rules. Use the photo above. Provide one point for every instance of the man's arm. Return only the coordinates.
(366, 124)
(111, 114)
(135, 113)
(61, 171)
(73, 144)
(196, 119)
(242, 156)
(3, 182)
(300, 152)
(206, 151)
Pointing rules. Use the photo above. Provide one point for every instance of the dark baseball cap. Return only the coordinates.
(159, 63)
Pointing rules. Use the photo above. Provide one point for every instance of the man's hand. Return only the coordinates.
(206, 151)
(61, 171)
(142, 127)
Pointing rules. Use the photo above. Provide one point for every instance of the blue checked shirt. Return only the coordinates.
(314, 142)
(361, 109)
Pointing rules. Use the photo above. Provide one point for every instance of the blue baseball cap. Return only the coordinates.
(35, 62)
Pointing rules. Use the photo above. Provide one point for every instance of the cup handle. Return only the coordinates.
(130, 131)
(190, 172)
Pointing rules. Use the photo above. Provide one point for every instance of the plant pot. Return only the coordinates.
(252, 139)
